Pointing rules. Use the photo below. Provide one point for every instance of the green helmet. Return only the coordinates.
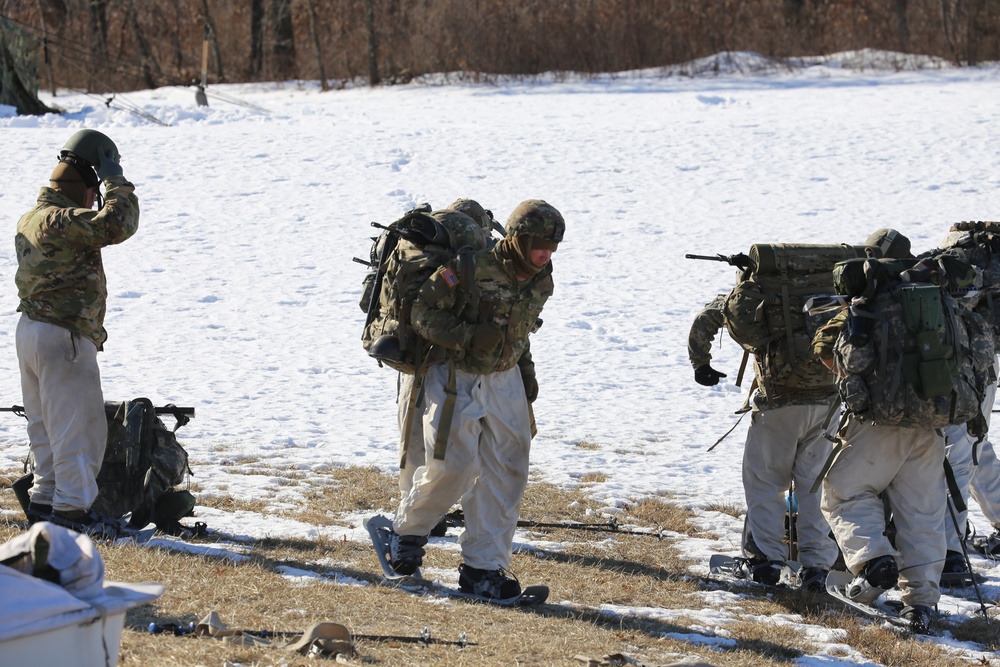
(83, 152)
(474, 210)
(535, 217)
(87, 144)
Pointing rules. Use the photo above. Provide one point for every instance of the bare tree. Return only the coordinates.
(283, 45)
(373, 78)
(255, 63)
(316, 46)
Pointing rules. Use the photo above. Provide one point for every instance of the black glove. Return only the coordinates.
(707, 375)
(530, 386)
(485, 339)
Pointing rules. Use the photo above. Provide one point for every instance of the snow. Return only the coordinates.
(238, 295)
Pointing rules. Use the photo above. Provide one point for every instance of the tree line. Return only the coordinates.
(119, 45)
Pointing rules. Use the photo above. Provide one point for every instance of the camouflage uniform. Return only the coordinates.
(785, 443)
(908, 465)
(488, 439)
(63, 295)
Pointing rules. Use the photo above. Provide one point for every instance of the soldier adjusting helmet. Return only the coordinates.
(539, 219)
(83, 152)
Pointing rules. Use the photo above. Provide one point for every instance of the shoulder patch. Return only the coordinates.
(449, 277)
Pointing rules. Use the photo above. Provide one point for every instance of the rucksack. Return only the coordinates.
(402, 258)
(144, 466)
(765, 313)
(979, 242)
(911, 355)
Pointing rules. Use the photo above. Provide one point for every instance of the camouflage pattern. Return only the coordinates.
(979, 244)
(888, 380)
(409, 265)
(60, 276)
(535, 217)
(780, 379)
(140, 467)
(474, 210)
(497, 298)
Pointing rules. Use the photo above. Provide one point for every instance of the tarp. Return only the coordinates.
(75, 591)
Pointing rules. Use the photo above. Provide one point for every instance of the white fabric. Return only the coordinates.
(983, 478)
(487, 455)
(785, 444)
(958, 450)
(908, 465)
(64, 404)
(30, 606)
(986, 475)
(415, 455)
(72, 555)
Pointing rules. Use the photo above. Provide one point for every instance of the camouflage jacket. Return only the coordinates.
(497, 298)
(60, 276)
(773, 391)
(706, 325)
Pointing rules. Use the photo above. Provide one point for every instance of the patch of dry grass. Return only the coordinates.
(587, 572)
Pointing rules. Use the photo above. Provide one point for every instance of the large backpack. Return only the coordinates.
(402, 258)
(979, 243)
(766, 314)
(911, 355)
(144, 466)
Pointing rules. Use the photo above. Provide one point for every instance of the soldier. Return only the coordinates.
(785, 442)
(63, 294)
(476, 422)
(973, 460)
(907, 464)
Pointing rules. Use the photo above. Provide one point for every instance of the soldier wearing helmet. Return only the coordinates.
(63, 293)
(477, 415)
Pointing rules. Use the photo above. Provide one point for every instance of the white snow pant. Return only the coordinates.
(908, 465)
(413, 457)
(64, 404)
(958, 451)
(487, 450)
(786, 444)
(983, 478)
(986, 475)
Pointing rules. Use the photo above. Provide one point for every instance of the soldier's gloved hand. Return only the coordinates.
(106, 165)
(741, 259)
(485, 339)
(530, 386)
(707, 375)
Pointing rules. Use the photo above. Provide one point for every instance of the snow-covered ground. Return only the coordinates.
(238, 294)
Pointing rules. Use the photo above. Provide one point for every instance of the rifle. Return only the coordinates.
(740, 259)
(182, 415)
(457, 519)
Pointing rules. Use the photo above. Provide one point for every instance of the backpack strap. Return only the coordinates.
(447, 412)
(415, 390)
(839, 445)
(466, 265)
(786, 306)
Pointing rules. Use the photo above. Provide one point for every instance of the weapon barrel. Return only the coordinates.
(710, 258)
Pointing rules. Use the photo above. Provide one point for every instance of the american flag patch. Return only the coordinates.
(449, 277)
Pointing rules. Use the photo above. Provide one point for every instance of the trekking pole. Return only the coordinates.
(457, 518)
(16, 409)
(968, 563)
